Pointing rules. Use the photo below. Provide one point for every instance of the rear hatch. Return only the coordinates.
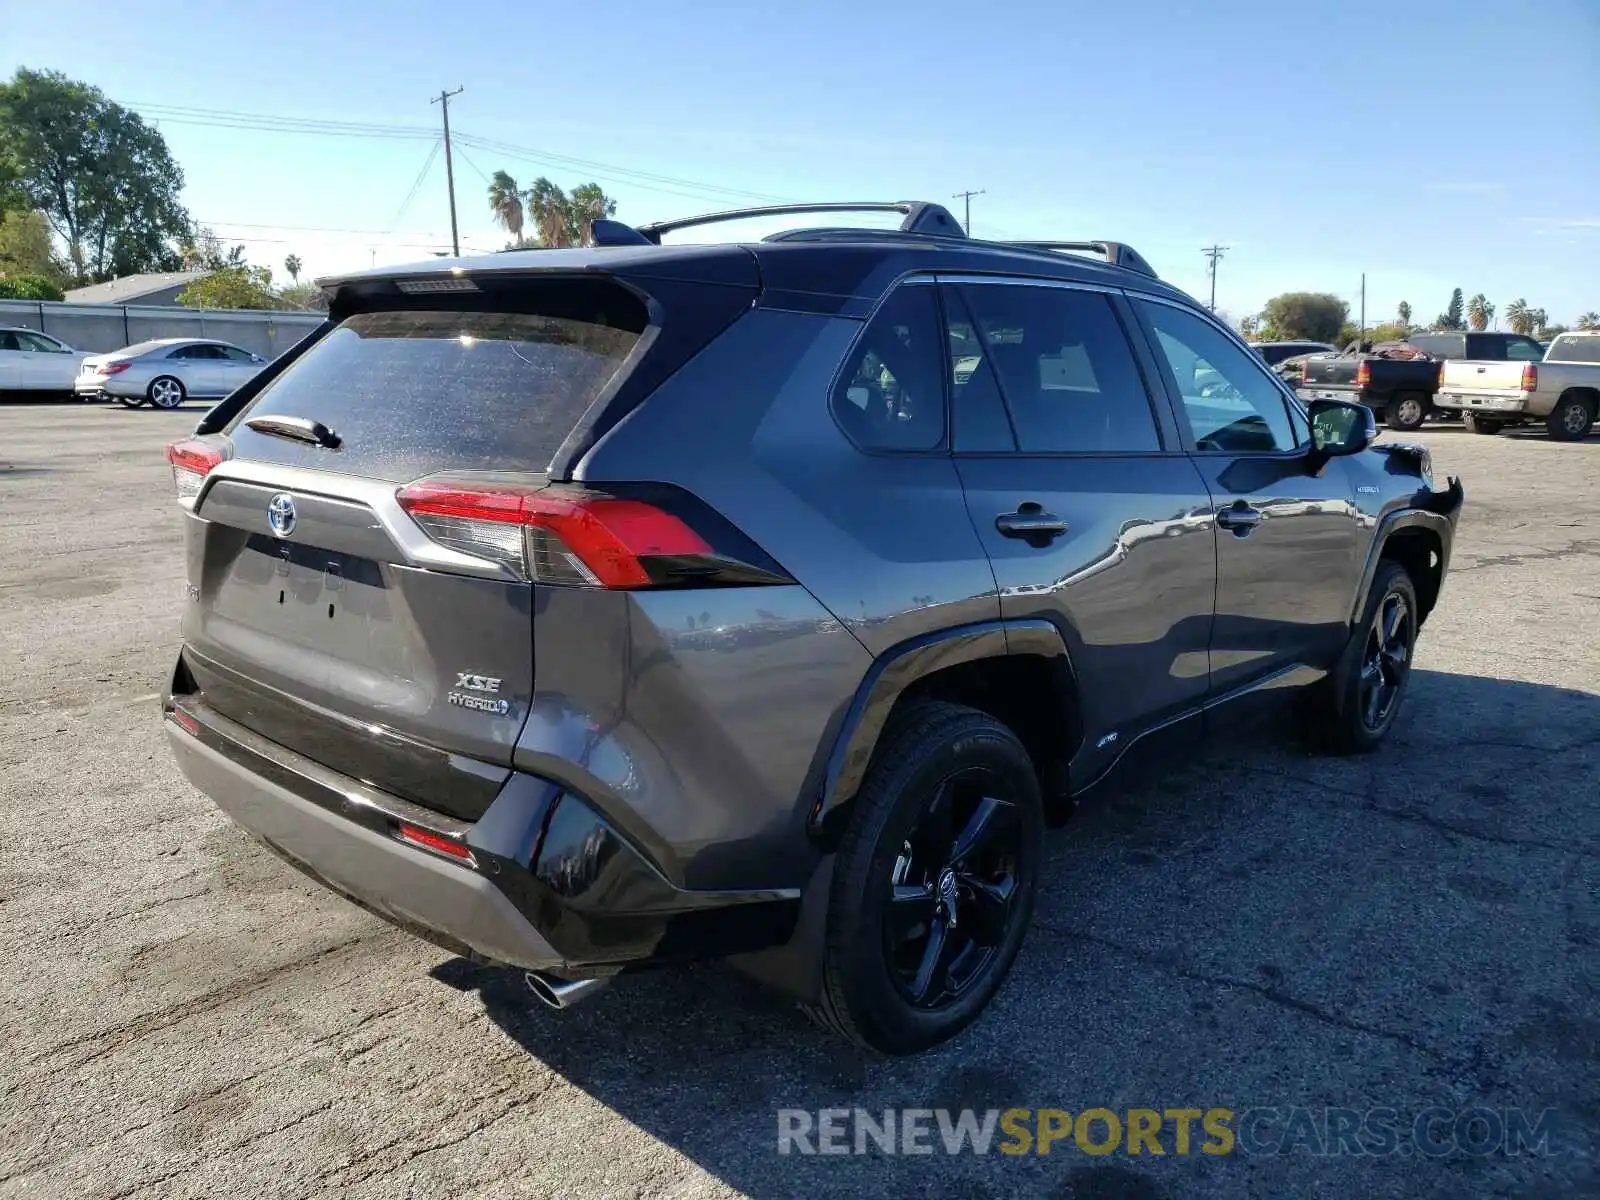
(356, 593)
(1468, 375)
(1331, 371)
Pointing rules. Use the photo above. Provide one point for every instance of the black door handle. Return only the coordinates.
(1239, 517)
(1030, 521)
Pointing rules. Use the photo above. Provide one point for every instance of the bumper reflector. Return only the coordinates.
(436, 842)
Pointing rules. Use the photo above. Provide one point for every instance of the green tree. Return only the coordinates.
(204, 251)
(232, 287)
(1404, 313)
(1553, 331)
(1519, 316)
(505, 202)
(305, 297)
(29, 287)
(1537, 320)
(1588, 321)
(585, 206)
(1312, 316)
(292, 264)
(1392, 332)
(1451, 317)
(102, 177)
(26, 248)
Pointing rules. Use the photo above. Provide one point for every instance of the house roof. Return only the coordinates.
(129, 289)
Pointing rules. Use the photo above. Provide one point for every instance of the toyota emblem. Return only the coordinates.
(281, 515)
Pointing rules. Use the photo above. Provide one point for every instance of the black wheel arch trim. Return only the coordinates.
(896, 669)
(1436, 512)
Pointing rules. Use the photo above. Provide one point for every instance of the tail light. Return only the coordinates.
(437, 842)
(1530, 377)
(580, 538)
(1364, 376)
(112, 368)
(1438, 375)
(191, 462)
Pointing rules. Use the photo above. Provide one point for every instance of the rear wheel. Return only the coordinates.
(131, 401)
(1407, 411)
(166, 392)
(1571, 419)
(1477, 424)
(1357, 705)
(934, 882)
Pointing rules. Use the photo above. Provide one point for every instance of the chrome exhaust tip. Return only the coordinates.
(561, 993)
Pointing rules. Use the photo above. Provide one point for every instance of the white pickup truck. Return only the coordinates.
(1562, 391)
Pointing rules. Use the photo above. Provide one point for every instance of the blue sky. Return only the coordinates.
(1429, 145)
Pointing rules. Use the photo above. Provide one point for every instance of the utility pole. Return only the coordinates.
(1213, 254)
(443, 100)
(967, 196)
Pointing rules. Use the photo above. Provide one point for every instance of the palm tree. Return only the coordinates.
(1517, 316)
(1479, 310)
(505, 201)
(547, 206)
(1404, 313)
(1537, 320)
(1589, 320)
(292, 264)
(587, 205)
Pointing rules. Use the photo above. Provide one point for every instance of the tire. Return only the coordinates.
(166, 392)
(131, 401)
(1571, 419)
(940, 772)
(1356, 706)
(1477, 424)
(1408, 410)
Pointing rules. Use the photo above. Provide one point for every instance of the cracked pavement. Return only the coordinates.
(185, 1016)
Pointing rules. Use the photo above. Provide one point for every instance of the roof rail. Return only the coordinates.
(1115, 253)
(921, 216)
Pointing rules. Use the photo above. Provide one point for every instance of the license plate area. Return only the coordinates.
(305, 595)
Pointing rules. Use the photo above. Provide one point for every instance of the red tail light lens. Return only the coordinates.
(1530, 377)
(112, 368)
(436, 842)
(191, 462)
(1364, 375)
(553, 536)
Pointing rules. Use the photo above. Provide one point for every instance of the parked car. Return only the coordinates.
(1447, 345)
(167, 371)
(592, 609)
(35, 362)
(1396, 380)
(1273, 353)
(1562, 390)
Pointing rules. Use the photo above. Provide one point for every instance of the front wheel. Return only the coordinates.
(934, 880)
(1571, 419)
(1477, 424)
(1407, 411)
(1356, 706)
(166, 392)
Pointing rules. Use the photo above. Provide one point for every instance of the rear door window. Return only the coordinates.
(417, 391)
(890, 395)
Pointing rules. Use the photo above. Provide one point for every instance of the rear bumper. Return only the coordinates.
(549, 886)
(1493, 402)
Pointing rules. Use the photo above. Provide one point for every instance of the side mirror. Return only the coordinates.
(1338, 429)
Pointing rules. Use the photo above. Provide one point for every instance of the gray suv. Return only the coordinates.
(590, 610)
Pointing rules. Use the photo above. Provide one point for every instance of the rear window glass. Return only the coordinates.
(418, 391)
(1575, 349)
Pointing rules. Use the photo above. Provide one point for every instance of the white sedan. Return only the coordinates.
(166, 372)
(31, 361)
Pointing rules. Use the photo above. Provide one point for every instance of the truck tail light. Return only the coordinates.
(192, 461)
(581, 538)
(1364, 376)
(1530, 377)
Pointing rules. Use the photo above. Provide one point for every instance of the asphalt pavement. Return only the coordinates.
(1262, 930)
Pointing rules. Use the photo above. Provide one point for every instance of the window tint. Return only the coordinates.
(980, 414)
(1575, 349)
(33, 341)
(234, 354)
(1065, 369)
(196, 352)
(8, 340)
(1440, 345)
(890, 396)
(1231, 401)
(1518, 351)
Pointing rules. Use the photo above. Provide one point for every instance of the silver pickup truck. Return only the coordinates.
(1563, 391)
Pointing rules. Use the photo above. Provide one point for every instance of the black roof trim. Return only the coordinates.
(921, 216)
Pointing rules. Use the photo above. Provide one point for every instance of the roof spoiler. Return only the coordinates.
(1117, 254)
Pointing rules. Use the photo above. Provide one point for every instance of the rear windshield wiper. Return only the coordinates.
(301, 429)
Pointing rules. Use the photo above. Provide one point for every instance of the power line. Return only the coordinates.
(1213, 255)
(227, 119)
(416, 186)
(967, 197)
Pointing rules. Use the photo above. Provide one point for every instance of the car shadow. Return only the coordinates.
(702, 1060)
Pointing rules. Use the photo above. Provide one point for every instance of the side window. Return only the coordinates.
(1520, 351)
(1064, 368)
(8, 340)
(979, 413)
(32, 341)
(1231, 402)
(234, 354)
(891, 395)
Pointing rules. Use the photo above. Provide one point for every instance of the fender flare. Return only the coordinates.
(1438, 518)
(898, 668)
